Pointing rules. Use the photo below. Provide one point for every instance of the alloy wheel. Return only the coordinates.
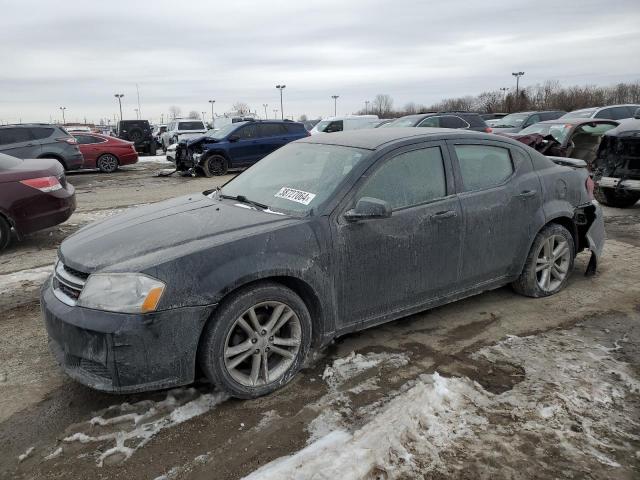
(108, 163)
(262, 344)
(552, 263)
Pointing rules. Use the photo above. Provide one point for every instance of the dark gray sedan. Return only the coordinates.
(327, 235)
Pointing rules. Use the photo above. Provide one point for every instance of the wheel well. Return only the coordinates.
(570, 225)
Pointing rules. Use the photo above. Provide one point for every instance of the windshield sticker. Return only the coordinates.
(294, 195)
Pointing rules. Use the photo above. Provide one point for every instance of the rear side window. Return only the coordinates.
(88, 139)
(14, 135)
(614, 113)
(483, 166)
(474, 120)
(408, 179)
(335, 126)
(270, 130)
(430, 122)
(452, 121)
(40, 133)
(191, 126)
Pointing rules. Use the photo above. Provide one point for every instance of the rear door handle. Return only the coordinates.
(527, 194)
(444, 215)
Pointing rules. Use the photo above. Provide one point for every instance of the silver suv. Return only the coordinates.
(41, 140)
(181, 128)
(610, 112)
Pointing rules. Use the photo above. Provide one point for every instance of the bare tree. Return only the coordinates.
(241, 107)
(382, 104)
(194, 115)
(303, 118)
(174, 111)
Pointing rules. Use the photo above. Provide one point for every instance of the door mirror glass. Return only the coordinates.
(368, 208)
(637, 114)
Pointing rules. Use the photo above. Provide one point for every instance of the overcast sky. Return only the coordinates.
(77, 54)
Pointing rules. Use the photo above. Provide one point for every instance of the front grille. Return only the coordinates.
(87, 366)
(68, 283)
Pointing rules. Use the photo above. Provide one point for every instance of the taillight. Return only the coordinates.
(488, 129)
(69, 140)
(44, 184)
(590, 187)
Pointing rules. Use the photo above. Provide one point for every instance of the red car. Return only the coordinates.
(34, 194)
(105, 153)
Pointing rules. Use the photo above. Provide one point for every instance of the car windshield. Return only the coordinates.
(558, 131)
(190, 126)
(586, 113)
(402, 122)
(321, 125)
(220, 133)
(512, 121)
(296, 178)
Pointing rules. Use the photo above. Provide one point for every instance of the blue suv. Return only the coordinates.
(237, 145)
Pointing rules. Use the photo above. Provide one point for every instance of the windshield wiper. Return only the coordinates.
(243, 199)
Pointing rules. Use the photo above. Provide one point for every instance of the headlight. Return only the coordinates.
(121, 292)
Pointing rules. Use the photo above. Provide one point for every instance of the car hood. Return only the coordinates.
(505, 129)
(146, 236)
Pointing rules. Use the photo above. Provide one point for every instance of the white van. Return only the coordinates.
(349, 122)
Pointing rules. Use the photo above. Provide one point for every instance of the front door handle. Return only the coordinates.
(444, 215)
(527, 194)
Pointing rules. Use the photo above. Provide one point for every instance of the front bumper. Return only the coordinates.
(612, 182)
(123, 353)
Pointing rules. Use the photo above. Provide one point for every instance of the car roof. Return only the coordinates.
(578, 121)
(13, 125)
(375, 138)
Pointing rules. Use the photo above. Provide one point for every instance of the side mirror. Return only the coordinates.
(234, 138)
(637, 114)
(368, 208)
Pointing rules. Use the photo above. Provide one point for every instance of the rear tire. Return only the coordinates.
(549, 263)
(107, 163)
(5, 233)
(615, 198)
(153, 148)
(256, 341)
(214, 165)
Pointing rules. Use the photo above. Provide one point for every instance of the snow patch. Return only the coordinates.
(129, 427)
(10, 282)
(26, 454)
(153, 159)
(55, 454)
(346, 368)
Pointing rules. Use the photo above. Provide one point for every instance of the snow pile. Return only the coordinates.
(26, 454)
(575, 411)
(421, 422)
(129, 427)
(11, 282)
(153, 159)
(353, 374)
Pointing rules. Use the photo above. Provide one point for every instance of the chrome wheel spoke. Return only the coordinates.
(284, 319)
(238, 360)
(265, 366)
(238, 349)
(242, 323)
(254, 319)
(275, 316)
(255, 368)
(286, 342)
(282, 352)
(561, 250)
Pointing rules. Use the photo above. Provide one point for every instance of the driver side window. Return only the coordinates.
(247, 132)
(408, 179)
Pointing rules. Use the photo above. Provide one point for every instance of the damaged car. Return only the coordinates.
(237, 145)
(616, 167)
(574, 138)
(327, 235)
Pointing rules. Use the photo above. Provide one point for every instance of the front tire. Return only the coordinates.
(257, 340)
(548, 264)
(214, 165)
(107, 163)
(613, 198)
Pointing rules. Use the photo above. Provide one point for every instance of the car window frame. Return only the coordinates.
(348, 199)
(459, 118)
(459, 182)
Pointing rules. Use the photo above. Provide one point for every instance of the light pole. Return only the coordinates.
(504, 91)
(62, 109)
(275, 113)
(161, 118)
(119, 97)
(335, 104)
(281, 87)
(265, 105)
(517, 75)
(204, 118)
(212, 102)
(137, 113)
(366, 106)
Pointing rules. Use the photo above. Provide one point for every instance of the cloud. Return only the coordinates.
(78, 54)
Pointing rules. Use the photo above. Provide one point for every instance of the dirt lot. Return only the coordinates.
(544, 388)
